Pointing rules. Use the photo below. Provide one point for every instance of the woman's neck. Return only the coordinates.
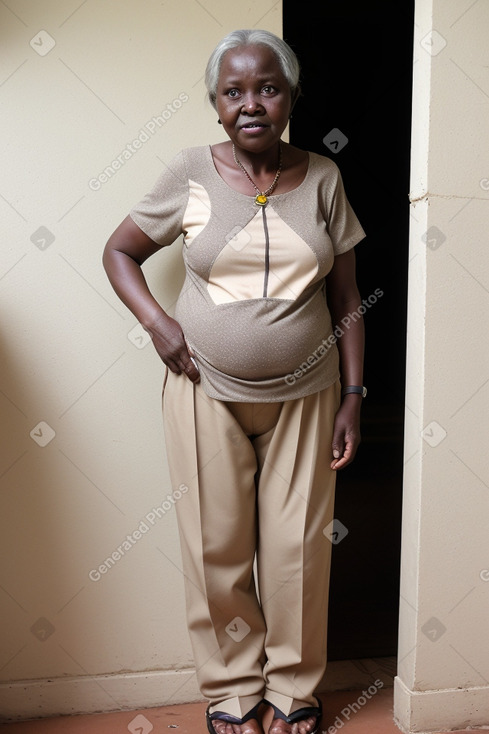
(263, 163)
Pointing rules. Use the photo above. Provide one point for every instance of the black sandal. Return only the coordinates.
(228, 718)
(307, 712)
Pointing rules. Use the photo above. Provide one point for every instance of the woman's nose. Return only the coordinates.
(252, 104)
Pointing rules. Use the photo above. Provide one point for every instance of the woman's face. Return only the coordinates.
(253, 98)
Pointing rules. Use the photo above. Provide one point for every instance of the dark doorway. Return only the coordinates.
(356, 60)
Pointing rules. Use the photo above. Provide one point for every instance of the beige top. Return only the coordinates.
(253, 305)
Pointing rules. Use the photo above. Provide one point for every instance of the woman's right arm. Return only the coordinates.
(126, 250)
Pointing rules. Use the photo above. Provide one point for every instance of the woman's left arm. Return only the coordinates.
(344, 301)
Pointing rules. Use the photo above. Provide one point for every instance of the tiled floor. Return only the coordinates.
(344, 711)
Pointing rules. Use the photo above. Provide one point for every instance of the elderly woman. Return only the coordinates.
(262, 387)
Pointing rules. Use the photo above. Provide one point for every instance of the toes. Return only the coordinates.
(251, 727)
(224, 727)
(306, 726)
(301, 727)
(279, 727)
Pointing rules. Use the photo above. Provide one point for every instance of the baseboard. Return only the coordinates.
(427, 712)
(36, 699)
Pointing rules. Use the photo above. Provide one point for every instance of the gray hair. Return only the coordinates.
(285, 56)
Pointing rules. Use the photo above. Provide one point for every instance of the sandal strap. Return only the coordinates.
(299, 715)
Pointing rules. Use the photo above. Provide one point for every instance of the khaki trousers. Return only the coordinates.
(255, 559)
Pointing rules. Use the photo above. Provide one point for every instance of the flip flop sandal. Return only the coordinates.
(228, 718)
(299, 715)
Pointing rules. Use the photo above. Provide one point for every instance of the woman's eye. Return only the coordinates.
(268, 89)
(233, 93)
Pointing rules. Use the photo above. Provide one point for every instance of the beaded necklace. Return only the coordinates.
(262, 196)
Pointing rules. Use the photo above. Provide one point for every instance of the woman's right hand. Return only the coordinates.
(169, 342)
(126, 250)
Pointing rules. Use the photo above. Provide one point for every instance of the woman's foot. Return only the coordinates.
(249, 727)
(305, 726)
(220, 722)
(303, 721)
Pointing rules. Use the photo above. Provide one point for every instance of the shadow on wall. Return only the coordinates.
(39, 522)
(77, 474)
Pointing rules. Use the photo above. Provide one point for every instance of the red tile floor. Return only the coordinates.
(344, 711)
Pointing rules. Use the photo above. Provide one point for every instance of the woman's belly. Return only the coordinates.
(256, 339)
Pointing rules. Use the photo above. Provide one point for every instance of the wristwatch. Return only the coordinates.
(360, 389)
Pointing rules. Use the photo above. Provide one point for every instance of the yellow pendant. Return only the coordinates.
(261, 199)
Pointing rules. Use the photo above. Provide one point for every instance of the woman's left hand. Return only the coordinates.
(346, 432)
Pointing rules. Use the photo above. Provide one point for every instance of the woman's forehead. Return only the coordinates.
(257, 59)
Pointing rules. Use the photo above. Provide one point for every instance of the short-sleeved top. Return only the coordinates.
(253, 305)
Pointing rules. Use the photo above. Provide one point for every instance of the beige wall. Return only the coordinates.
(82, 458)
(82, 464)
(443, 662)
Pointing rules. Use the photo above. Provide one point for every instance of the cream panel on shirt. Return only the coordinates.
(239, 271)
(197, 213)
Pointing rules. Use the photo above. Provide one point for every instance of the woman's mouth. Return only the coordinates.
(253, 127)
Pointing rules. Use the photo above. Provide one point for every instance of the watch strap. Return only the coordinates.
(359, 389)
